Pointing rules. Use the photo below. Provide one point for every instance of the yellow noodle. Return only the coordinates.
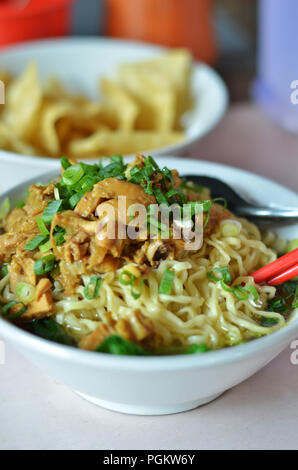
(198, 309)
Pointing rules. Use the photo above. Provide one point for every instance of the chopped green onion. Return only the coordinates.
(72, 175)
(5, 309)
(191, 186)
(168, 175)
(225, 274)
(177, 193)
(230, 228)
(56, 194)
(3, 270)
(253, 291)
(96, 281)
(241, 293)
(137, 295)
(65, 163)
(25, 292)
(42, 226)
(44, 265)
(59, 238)
(200, 206)
(166, 283)
(35, 242)
(46, 246)
(152, 162)
(160, 197)
(51, 209)
(126, 274)
(221, 199)
(130, 282)
(207, 220)
(75, 199)
(226, 287)
(4, 208)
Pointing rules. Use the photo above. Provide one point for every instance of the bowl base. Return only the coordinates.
(147, 410)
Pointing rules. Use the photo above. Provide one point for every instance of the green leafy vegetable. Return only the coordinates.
(286, 298)
(117, 345)
(277, 304)
(265, 321)
(48, 329)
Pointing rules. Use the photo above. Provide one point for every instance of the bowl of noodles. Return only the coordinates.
(133, 285)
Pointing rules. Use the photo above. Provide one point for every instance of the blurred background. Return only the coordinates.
(229, 42)
(221, 32)
(251, 43)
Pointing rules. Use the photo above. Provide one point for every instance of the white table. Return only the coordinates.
(36, 412)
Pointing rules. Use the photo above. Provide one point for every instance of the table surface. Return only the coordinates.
(37, 412)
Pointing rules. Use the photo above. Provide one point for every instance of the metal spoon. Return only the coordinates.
(241, 207)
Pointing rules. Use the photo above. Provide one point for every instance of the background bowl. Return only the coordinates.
(161, 385)
(80, 63)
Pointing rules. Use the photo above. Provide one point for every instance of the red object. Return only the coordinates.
(279, 271)
(173, 23)
(284, 277)
(22, 20)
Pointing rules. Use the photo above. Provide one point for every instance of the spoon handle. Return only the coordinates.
(273, 213)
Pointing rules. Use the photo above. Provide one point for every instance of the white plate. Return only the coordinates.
(162, 385)
(80, 62)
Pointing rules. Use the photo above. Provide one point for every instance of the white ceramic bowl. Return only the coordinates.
(81, 62)
(161, 385)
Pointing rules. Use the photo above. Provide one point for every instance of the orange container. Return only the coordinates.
(173, 23)
(21, 20)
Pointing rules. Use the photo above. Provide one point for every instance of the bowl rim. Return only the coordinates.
(150, 363)
(92, 41)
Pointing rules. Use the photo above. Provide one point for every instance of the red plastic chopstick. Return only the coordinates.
(284, 276)
(279, 271)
